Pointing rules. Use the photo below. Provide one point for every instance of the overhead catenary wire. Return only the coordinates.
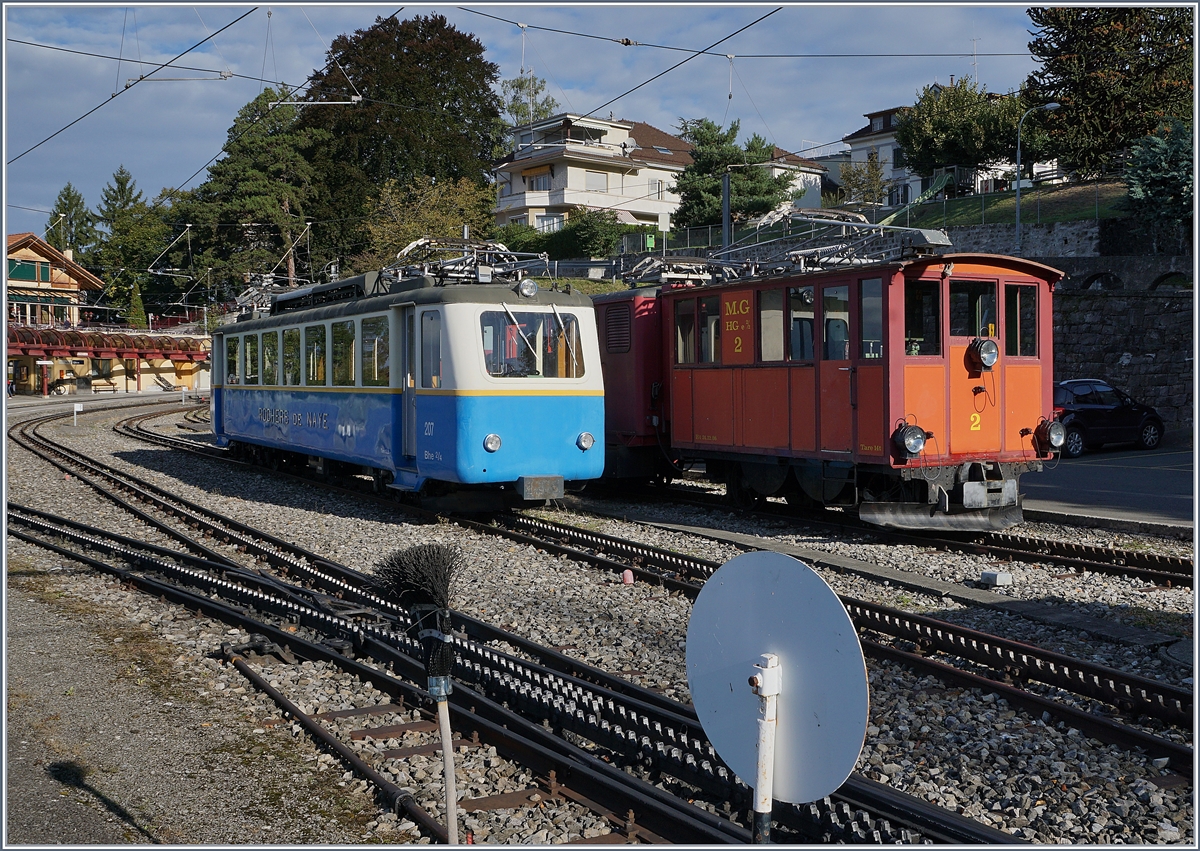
(684, 61)
(118, 94)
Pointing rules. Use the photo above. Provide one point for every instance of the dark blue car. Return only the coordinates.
(1095, 413)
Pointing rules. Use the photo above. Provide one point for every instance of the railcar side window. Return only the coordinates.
(1020, 321)
(800, 323)
(375, 361)
(518, 344)
(835, 307)
(343, 354)
(685, 331)
(710, 329)
(270, 357)
(232, 362)
(291, 357)
(314, 355)
(972, 309)
(431, 349)
(870, 312)
(770, 325)
(922, 318)
(251, 353)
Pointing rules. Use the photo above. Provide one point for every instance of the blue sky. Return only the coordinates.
(165, 132)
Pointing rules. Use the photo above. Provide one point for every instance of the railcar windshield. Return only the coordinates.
(519, 344)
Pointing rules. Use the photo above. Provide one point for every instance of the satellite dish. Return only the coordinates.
(769, 603)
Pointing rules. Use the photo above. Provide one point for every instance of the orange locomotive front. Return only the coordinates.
(919, 390)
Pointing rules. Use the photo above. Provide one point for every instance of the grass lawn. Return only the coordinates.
(1045, 204)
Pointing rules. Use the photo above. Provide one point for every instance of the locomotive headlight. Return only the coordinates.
(585, 441)
(983, 354)
(527, 288)
(1049, 435)
(910, 439)
(492, 442)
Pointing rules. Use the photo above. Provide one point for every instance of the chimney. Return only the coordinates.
(69, 253)
(951, 79)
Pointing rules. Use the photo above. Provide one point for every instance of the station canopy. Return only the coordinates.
(48, 342)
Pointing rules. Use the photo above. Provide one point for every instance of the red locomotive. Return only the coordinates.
(918, 389)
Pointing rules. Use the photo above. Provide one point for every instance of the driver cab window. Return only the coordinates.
(972, 309)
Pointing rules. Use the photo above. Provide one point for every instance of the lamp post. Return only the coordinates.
(1049, 107)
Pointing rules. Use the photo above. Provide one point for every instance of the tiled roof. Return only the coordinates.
(781, 156)
(650, 138)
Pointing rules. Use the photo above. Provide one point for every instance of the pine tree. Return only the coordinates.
(1117, 72)
(136, 313)
(134, 235)
(519, 93)
(71, 224)
(753, 190)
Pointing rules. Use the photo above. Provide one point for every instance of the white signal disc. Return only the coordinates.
(764, 602)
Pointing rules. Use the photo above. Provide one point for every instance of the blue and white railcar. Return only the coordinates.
(465, 390)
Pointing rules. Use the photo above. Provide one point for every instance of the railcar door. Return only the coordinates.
(837, 421)
(408, 402)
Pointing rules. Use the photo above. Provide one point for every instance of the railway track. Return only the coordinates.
(629, 721)
(1161, 570)
(967, 657)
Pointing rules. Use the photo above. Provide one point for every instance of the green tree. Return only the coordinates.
(136, 314)
(428, 108)
(71, 225)
(520, 93)
(1117, 72)
(423, 207)
(864, 181)
(255, 203)
(1160, 177)
(961, 125)
(586, 233)
(135, 233)
(752, 191)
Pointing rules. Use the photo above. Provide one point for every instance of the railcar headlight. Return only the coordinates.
(910, 439)
(585, 441)
(1049, 435)
(983, 354)
(492, 442)
(527, 288)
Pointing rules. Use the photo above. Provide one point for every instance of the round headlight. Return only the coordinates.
(585, 441)
(527, 288)
(989, 352)
(1057, 434)
(912, 439)
(492, 442)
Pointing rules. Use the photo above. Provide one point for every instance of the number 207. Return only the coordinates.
(429, 429)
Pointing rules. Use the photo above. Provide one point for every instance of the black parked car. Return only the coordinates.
(1094, 413)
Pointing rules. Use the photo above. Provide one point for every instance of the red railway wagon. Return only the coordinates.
(919, 390)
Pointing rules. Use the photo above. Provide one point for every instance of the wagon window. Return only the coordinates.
(710, 329)
(800, 323)
(291, 357)
(870, 311)
(1020, 320)
(922, 318)
(835, 306)
(685, 331)
(972, 309)
(232, 372)
(251, 350)
(431, 349)
(343, 354)
(270, 358)
(770, 325)
(314, 355)
(375, 360)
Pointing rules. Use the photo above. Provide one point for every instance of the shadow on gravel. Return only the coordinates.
(258, 485)
(75, 775)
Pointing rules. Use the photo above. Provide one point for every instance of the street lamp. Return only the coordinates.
(1049, 107)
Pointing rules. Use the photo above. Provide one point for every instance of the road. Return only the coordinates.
(1120, 483)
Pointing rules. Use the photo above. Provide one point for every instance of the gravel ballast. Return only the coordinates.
(958, 748)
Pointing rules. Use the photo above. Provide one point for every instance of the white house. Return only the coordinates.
(569, 161)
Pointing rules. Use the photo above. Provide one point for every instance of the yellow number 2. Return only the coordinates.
(975, 422)
(737, 344)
